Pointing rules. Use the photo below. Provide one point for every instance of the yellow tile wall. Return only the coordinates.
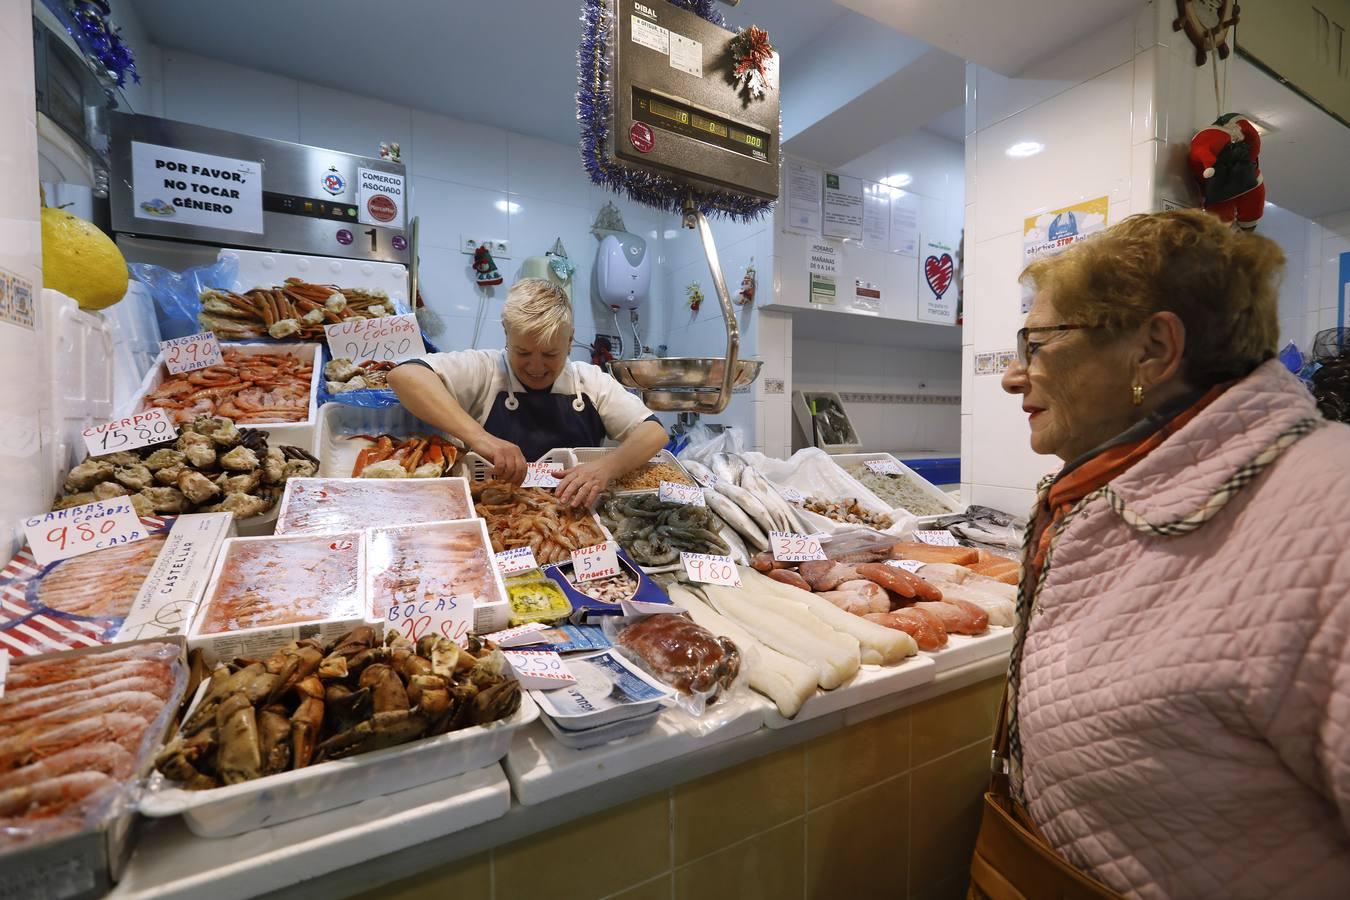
(887, 808)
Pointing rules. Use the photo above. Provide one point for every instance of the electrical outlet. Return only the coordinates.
(499, 249)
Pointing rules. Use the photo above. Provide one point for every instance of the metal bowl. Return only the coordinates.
(682, 372)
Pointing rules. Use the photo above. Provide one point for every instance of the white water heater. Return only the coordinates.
(623, 270)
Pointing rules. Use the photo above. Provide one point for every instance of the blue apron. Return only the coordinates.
(538, 421)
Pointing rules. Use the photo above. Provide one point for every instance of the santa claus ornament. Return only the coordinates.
(1224, 161)
(484, 268)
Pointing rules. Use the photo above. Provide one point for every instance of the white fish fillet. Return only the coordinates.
(878, 644)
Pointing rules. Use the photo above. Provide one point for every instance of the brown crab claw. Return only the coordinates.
(305, 724)
(443, 653)
(183, 758)
(274, 732)
(240, 756)
(386, 688)
(252, 679)
(385, 729)
(496, 702)
(347, 707)
(360, 638)
(408, 664)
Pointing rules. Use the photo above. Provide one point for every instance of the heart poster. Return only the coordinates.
(937, 283)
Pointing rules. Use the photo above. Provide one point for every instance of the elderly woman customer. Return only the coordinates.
(1177, 722)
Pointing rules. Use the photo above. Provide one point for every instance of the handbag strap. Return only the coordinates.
(998, 763)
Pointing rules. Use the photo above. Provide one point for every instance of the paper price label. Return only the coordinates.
(511, 562)
(884, 466)
(539, 669)
(707, 568)
(600, 561)
(541, 475)
(520, 636)
(83, 529)
(790, 547)
(936, 538)
(911, 566)
(190, 353)
(792, 495)
(670, 492)
(386, 339)
(450, 617)
(150, 427)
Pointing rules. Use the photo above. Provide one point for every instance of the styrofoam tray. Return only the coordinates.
(933, 492)
(260, 268)
(962, 649)
(272, 799)
(293, 434)
(421, 489)
(870, 683)
(541, 768)
(590, 454)
(338, 421)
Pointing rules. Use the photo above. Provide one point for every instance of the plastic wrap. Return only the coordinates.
(178, 294)
(703, 442)
(415, 562)
(326, 505)
(815, 474)
(703, 668)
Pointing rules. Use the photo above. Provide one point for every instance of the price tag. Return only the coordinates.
(520, 636)
(386, 339)
(431, 611)
(885, 466)
(709, 569)
(670, 492)
(190, 353)
(936, 538)
(792, 495)
(541, 475)
(709, 481)
(911, 566)
(600, 561)
(83, 529)
(511, 562)
(150, 427)
(539, 669)
(790, 547)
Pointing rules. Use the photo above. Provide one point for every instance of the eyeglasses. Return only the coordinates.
(1026, 349)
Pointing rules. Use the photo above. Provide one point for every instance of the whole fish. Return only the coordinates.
(702, 473)
(728, 467)
(734, 516)
(748, 502)
(785, 516)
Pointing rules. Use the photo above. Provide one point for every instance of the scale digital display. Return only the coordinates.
(672, 115)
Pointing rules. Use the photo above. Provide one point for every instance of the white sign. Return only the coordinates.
(187, 188)
(541, 475)
(905, 223)
(824, 259)
(650, 35)
(599, 561)
(448, 616)
(520, 636)
(83, 529)
(379, 198)
(936, 538)
(686, 54)
(843, 206)
(803, 197)
(190, 353)
(866, 297)
(911, 566)
(876, 217)
(670, 492)
(386, 339)
(141, 430)
(707, 568)
(886, 466)
(539, 670)
(512, 562)
(708, 480)
(790, 547)
(937, 284)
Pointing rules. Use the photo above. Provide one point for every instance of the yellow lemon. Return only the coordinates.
(81, 261)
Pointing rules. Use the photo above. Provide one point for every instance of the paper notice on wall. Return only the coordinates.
(803, 198)
(843, 206)
(188, 188)
(937, 284)
(867, 298)
(686, 54)
(379, 198)
(823, 289)
(824, 259)
(650, 35)
(905, 223)
(876, 217)
(1048, 233)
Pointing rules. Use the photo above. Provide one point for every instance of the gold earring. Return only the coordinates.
(1138, 394)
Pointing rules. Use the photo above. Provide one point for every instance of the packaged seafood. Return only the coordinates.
(534, 518)
(609, 689)
(412, 563)
(900, 488)
(654, 532)
(147, 589)
(328, 505)
(614, 589)
(537, 600)
(647, 477)
(684, 654)
(295, 308)
(77, 730)
(366, 718)
(268, 591)
(591, 602)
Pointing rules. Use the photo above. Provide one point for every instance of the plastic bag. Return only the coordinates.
(703, 442)
(813, 472)
(178, 294)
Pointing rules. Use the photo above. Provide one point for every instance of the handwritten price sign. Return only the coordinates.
(670, 492)
(140, 430)
(885, 466)
(709, 569)
(83, 529)
(450, 617)
(600, 561)
(911, 566)
(520, 636)
(789, 547)
(937, 538)
(539, 669)
(512, 562)
(541, 475)
(188, 354)
(386, 339)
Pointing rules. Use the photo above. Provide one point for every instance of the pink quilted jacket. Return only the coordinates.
(1185, 700)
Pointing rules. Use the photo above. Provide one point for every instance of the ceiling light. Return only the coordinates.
(508, 206)
(898, 180)
(1024, 149)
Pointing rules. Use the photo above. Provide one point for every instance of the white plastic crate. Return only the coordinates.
(338, 421)
(476, 468)
(925, 486)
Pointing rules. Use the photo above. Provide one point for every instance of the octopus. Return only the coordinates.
(533, 517)
(264, 388)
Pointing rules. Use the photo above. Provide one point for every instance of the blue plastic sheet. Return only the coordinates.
(177, 294)
(369, 399)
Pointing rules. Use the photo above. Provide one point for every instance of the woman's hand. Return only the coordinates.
(582, 486)
(508, 463)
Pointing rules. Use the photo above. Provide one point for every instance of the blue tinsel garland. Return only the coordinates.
(87, 22)
(593, 112)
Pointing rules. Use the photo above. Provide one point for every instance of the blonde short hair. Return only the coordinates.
(1222, 284)
(538, 309)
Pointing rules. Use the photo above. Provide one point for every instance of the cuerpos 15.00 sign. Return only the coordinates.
(181, 186)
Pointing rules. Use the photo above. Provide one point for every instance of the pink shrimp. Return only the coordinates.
(104, 756)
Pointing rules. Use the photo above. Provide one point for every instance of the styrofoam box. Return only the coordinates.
(262, 641)
(272, 799)
(293, 434)
(931, 490)
(419, 489)
(262, 269)
(802, 410)
(590, 454)
(338, 421)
